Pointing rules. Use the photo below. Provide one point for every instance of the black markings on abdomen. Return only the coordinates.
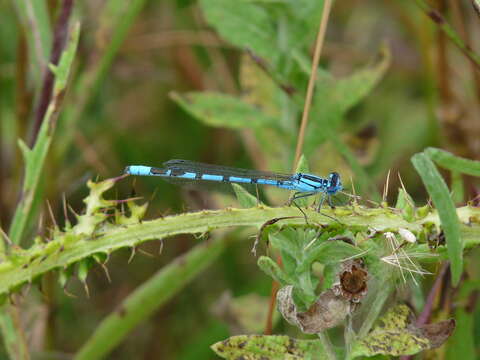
(158, 171)
(177, 172)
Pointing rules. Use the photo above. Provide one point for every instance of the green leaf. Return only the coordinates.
(350, 90)
(221, 110)
(458, 191)
(396, 335)
(261, 90)
(245, 199)
(268, 347)
(64, 275)
(302, 166)
(35, 158)
(440, 195)
(304, 17)
(295, 246)
(406, 204)
(451, 162)
(244, 24)
(258, 88)
(287, 241)
(278, 33)
(25, 150)
(62, 70)
(84, 267)
(334, 97)
(271, 268)
(325, 115)
(329, 252)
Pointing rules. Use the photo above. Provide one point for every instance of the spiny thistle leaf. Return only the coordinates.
(406, 204)
(103, 228)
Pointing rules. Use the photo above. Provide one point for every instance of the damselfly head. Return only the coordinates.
(335, 183)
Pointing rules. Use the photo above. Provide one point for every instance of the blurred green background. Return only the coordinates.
(119, 111)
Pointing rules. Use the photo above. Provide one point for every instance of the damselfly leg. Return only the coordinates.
(299, 195)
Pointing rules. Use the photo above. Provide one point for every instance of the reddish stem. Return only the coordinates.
(59, 40)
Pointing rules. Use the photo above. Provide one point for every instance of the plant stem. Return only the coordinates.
(438, 19)
(12, 333)
(432, 295)
(384, 292)
(271, 307)
(313, 77)
(36, 156)
(59, 40)
(327, 345)
(427, 310)
(139, 305)
(68, 248)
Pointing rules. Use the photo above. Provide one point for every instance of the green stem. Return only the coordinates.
(381, 296)
(69, 247)
(12, 333)
(327, 345)
(149, 297)
(35, 157)
(438, 19)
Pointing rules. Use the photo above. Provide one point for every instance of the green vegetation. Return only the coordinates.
(87, 90)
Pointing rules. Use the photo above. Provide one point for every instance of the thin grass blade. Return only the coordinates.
(440, 195)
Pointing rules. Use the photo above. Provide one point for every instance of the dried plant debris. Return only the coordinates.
(332, 305)
(328, 311)
(268, 347)
(397, 334)
(352, 284)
